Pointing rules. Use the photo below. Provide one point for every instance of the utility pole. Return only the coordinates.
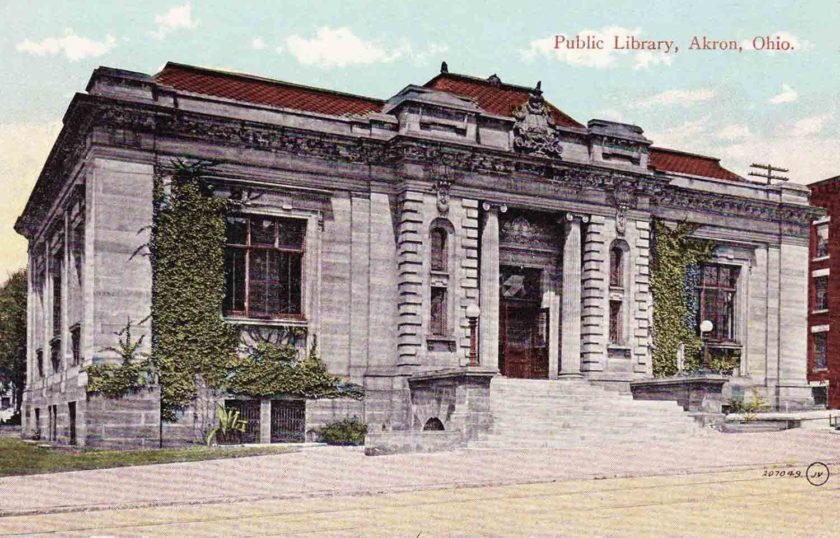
(767, 172)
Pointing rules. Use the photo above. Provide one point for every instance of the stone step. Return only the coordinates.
(538, 427)
(565, 413)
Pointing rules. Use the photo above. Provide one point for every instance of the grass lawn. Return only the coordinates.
(20, 458)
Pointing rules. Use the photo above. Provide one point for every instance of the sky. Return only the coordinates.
(743, 106)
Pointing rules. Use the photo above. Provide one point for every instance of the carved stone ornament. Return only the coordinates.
(534, 132)
(621, 220)
(444, 177)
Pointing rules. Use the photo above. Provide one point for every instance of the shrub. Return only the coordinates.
(350, 431)
(228, 426)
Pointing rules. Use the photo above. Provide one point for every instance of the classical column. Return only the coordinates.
(488, 324)
(570, 338)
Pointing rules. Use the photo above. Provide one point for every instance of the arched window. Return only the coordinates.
(616, 266)
(439, 237)
(439, 279)
(618, 292)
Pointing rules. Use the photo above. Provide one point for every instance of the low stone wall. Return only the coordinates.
(320, 413)
(698, 393)
(383, 443)
(10, 431)
(132, 421)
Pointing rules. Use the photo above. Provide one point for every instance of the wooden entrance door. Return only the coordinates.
(523, 324)
(524, 341)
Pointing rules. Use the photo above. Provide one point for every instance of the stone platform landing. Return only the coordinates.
(570, 413)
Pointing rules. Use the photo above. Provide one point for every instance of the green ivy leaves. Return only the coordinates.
(674, 252)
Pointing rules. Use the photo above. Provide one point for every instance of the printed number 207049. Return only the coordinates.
(769, 473)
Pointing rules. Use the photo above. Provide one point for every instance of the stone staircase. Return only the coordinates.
(573, 413)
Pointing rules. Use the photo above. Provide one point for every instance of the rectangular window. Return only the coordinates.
(821, 293)
(39, 362)
(263, 267)
(821, 247)
(76, 344)
(55, 354)
(617, 267)
(55, 271)
(820, 347)
(616, 322)
(438, 312)
(716, 292)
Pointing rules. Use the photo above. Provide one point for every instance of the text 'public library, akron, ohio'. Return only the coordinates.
(382, 228)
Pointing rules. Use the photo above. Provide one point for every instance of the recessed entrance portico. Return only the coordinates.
(522, 303)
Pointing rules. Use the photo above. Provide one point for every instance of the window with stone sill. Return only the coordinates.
(39, 362)
(55, 354)
(76, 344)
(618, 292)
(716, 291)
(439, 279)
(264, 267)
(821, 293)
(55, 275)
(820, 347)
(821, 246)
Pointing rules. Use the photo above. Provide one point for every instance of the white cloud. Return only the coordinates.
(72, 46)
(610, 114)
(809, 126)
(677, 97)
(647, 59)
(340, 47)
(788, 95)
(257, 43)
(432, 52)
(177, 18)
(582, 56)
(734, 132)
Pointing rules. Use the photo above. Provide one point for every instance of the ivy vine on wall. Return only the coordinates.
(278, 369)
(676, 257)
(189, 336)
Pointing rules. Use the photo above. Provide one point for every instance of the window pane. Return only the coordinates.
(262, 231)
(438, 250)
(822, 240)
(615, 322)
(237, 230)
(821, 293)
(820, 340)
(438, 312)
(234, 279)
(290, 233)
(616, 261)
(289, 283)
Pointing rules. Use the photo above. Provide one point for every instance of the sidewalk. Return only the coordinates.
(329, 471)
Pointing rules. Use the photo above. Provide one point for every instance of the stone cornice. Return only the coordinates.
(126, 122)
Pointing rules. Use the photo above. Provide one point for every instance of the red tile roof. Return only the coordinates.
(500, 99)
(263, 91)
(679, 162)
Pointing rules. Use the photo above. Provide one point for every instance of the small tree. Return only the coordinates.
(13, 335)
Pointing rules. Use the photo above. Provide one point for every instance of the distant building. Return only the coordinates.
(389, 218)
(824, 303)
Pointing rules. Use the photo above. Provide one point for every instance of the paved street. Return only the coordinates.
(709, 486)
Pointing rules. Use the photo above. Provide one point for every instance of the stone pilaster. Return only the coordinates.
(641, 306)
(570, 348)
(468, 275)
(489, 291)
(410, 279)
(594, 284)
